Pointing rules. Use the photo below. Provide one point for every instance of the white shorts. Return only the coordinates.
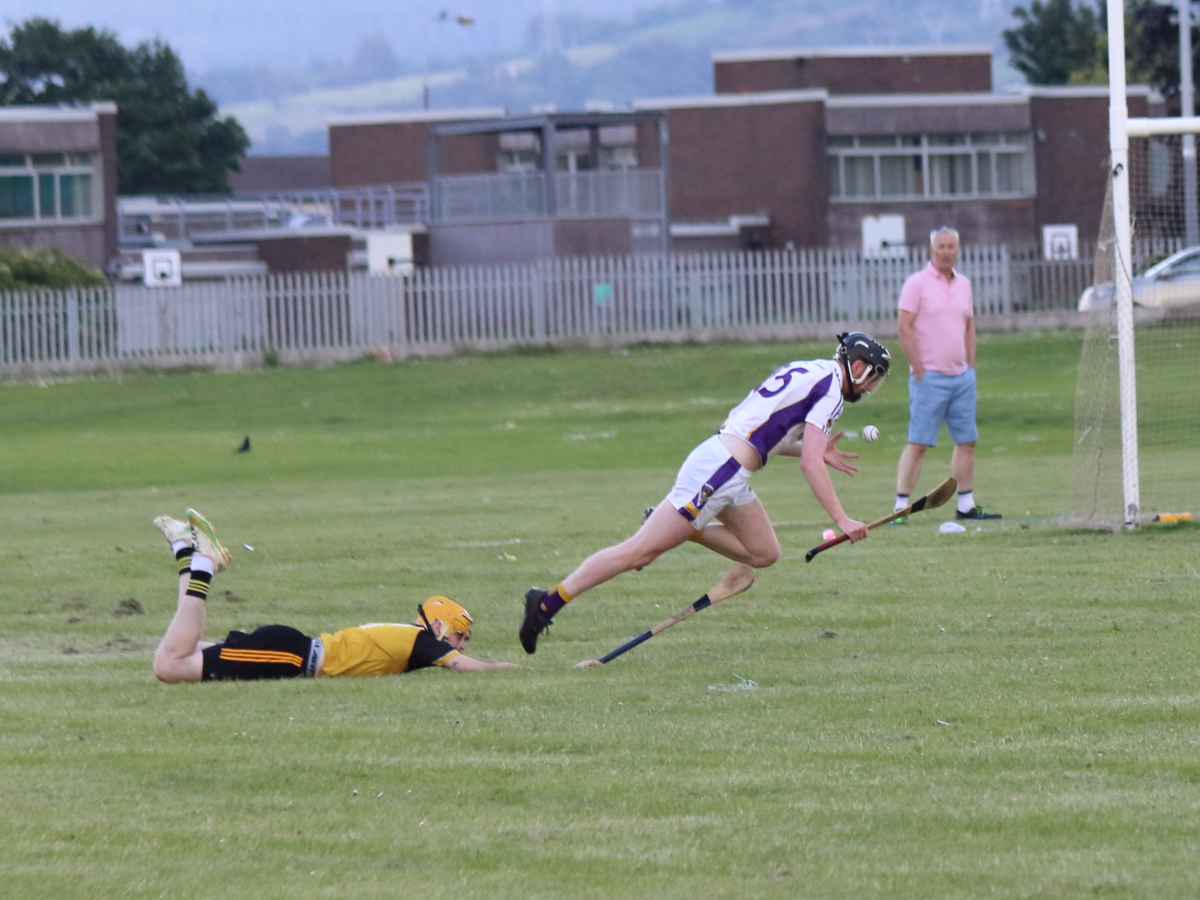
(709, 480)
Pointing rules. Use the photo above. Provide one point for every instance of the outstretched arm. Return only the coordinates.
(836, 459)
(813, 464)
(833, 457)
(463, 663)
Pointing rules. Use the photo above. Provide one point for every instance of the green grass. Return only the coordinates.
(1011, 712)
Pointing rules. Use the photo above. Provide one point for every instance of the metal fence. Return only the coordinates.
(338, 315)
(199, 217)
(636, 193)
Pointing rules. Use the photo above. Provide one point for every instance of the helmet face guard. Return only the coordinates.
(856, 346)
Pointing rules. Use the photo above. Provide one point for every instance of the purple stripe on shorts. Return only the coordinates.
(715, 482)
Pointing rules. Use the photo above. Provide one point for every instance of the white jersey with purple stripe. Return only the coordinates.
(772, 418)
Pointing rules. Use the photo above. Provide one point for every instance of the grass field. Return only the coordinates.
(1010, 712)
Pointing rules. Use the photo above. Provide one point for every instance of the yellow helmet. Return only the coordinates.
(453, 617)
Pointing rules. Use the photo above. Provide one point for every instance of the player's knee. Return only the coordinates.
(167, 670)
(764, 557)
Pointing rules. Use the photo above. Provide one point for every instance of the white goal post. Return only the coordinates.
(1121, 129)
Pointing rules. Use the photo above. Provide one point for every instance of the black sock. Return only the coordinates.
(198, 585)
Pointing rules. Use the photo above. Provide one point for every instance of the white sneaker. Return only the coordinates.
(206, 542)
(174, 530)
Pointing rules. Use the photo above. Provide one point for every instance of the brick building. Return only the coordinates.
(58, 179)
(802, 148)
(900, 145)
(512, 189)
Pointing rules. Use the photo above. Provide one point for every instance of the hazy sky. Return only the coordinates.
(220, 33)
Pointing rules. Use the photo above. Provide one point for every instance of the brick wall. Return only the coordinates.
(1070, 139)
(108, 149)
(862, 74)
(382, 153)
(978, 221)
(756, 158)
(322, 253)
(280, 173)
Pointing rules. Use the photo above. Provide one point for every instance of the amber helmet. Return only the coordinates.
(454, 619)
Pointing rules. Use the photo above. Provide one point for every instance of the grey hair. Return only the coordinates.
(942, 229)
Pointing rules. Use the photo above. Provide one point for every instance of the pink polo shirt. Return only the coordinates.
(942, 308)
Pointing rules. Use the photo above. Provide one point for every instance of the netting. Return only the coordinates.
(1166, 286)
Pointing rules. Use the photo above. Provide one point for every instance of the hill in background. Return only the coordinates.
(569, 60)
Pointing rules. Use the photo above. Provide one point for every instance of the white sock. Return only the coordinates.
(966, 501)
(201, 564)
(901, 501)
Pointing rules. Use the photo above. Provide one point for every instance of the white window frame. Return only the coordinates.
(71, 165)
(979, 147)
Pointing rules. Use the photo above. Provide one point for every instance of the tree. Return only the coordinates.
(1054, 39)
(1052, 44)
(1154, 44)
(169, 139)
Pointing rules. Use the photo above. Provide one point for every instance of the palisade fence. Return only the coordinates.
(338, 315)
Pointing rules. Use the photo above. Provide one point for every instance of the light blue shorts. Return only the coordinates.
(938, 398)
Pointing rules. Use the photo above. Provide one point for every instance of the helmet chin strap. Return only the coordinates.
(425, 619)
(868, 374)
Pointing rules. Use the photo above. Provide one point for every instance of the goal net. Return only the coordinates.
(1166, 292)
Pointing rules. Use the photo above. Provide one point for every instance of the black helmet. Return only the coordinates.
(855, 346)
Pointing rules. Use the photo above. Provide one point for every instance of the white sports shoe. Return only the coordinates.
(206, 541)
(174, 530)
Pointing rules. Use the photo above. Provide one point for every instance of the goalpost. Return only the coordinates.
(1132, 440)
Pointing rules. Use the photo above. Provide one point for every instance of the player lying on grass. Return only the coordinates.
(277, 651)
(792, 413)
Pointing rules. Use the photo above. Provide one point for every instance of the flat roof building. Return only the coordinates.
(58, 179)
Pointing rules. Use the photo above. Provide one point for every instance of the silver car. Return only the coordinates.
(1175, 281)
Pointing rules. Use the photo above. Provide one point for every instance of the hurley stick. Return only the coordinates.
(932, 500)
(733, 582)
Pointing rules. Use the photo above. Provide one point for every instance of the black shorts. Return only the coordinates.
(273, 651)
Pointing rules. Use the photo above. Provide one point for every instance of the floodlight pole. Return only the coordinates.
(1118, 136)
(1191, 217)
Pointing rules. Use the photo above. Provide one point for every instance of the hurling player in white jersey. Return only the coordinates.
(792, 413)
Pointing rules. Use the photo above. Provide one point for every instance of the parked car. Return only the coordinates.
(1175, 281)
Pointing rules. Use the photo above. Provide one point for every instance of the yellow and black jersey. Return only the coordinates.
(383, 649)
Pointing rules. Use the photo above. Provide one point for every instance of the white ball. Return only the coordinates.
(870, 433)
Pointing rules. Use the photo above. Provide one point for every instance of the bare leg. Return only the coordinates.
(178, 656)
(909, 468)
(663, 531)
(744, 534)
(963, 462)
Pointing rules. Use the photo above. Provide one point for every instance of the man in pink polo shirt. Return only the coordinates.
(937, 334)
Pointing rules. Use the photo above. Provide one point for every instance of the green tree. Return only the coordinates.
(1054, 40)
(1153, 42)
(169, 139)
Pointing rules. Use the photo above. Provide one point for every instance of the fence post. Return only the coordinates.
(537, 299)
(1006, 280)
(71, 299)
